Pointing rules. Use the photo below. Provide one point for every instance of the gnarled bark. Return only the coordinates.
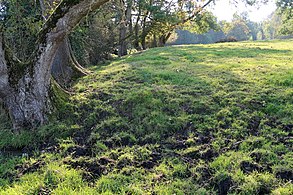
(65, 67)
(25, 92)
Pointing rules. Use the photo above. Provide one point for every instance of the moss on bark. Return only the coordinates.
(59, 12)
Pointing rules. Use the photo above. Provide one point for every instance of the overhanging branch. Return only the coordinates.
(71, 12)
(198, 11)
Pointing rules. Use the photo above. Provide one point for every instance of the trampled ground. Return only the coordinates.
(198, 119)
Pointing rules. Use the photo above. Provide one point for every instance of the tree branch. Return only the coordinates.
(71, 12)
(198, 11)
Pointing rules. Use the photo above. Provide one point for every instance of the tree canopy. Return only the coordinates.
(286, 11)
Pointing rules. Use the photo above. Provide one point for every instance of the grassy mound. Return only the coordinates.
(200, 119)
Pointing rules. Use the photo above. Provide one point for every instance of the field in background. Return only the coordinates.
(197, 119)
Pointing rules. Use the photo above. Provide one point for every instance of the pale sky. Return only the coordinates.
(224, 11)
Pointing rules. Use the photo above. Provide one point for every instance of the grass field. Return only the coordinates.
(196, 119)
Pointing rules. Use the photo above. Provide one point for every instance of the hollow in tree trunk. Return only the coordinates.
(65, 67)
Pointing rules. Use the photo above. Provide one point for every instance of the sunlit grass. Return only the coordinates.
(195, 119)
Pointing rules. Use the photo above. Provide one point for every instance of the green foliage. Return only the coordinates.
(22, 22)
(8, 139)
(238, 28)
(272, 26)
(286, 11)
(202, 23)
(7, 164)
(94, 39)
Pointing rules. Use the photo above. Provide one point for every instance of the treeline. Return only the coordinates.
(241, 28)
(120, 27)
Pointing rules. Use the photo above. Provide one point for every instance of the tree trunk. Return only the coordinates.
(155, 43)
(145, 30)
(122, 35)
(129, 16)
(144, 34)
(24, 88)
(263, 37)
(125, 23)
(65, 67)
(26, 91)
(143, 43)
(163, 39)
(254, 37)
(136, 31)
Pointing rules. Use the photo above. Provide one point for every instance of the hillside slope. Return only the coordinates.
(199, 119)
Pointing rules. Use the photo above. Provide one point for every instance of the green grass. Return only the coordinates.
(197, 119)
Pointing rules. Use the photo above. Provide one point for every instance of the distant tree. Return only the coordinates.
(156, 20)
(237, 28)
(286, 12)
(187, 37)
(254, 29)
(272, 25)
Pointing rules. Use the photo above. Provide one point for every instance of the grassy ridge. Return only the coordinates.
(200, 119)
